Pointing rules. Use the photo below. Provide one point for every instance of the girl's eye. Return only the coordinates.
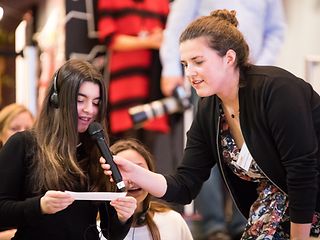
(199, 62)
(14, 129)
(96, 102)
(80, 99)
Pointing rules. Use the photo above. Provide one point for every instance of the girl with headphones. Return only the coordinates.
(57, 154)
(152, 220)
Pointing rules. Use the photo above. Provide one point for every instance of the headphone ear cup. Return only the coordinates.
(142, 218)
(54, 100)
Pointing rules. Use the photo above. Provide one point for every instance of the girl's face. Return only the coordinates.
(21, 122)
(88, 104)
(133, 190)
(204, 68)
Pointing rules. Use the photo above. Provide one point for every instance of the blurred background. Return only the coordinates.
(36, 36)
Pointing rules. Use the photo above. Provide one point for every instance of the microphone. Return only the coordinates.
(96, 132)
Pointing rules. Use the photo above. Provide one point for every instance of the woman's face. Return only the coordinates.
(88, 104)
(21, 122)
(133, 190)
(204, 68)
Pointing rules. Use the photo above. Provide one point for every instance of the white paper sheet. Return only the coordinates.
(96, 196)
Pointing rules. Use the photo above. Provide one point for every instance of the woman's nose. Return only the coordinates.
(190, 72)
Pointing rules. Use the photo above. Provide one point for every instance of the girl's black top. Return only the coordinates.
(20, 208)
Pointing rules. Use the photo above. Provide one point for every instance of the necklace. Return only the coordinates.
(231, 111)
(233, 115)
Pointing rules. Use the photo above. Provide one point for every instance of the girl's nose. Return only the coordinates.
(88, 108)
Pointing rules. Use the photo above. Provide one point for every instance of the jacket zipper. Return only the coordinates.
(220, 164)
(267, 175)
(222, 172)
(259, 166)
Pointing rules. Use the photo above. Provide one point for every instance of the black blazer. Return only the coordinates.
(280, 123)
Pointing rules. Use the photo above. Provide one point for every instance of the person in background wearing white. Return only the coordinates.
(152, 220)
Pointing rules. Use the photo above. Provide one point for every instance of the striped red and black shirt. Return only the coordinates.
(130, 70)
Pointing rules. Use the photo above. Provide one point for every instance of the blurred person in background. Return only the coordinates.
(13, 118)
(132, 31)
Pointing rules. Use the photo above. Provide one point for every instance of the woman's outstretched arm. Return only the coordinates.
(153, 183)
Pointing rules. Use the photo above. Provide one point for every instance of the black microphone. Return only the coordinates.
(96, 132)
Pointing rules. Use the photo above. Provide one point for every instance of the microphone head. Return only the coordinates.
(95, 130)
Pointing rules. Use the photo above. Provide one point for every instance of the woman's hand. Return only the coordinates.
(55, 201)
(154, 183)
(8, 234)
(125, 167)
(125, 207)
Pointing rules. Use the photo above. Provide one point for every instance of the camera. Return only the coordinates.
(179, 102)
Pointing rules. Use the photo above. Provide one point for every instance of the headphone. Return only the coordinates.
(142, 216)
(54, 99)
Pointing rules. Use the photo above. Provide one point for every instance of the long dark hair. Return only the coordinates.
(56, 134)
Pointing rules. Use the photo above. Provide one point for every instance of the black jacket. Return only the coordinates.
(280, 123)
(20, 209)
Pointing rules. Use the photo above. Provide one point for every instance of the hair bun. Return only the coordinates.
(226, 15)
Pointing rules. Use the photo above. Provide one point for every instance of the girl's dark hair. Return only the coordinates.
(221, 32)
(56, 134)
(149, 206)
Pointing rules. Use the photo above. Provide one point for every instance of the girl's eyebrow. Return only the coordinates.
(83, 95)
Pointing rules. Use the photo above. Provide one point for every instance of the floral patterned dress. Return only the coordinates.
(268, 217)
